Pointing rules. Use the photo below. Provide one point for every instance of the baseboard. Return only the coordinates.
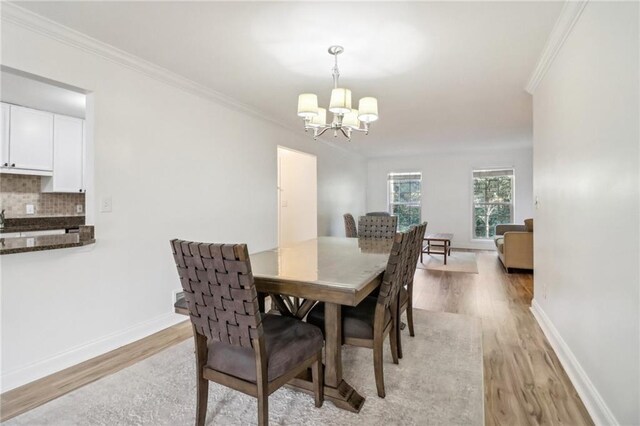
(81, 353)
(597, 408)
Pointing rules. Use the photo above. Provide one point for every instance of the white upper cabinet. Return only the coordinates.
(4, 134)
(30, 139)
(68, 152)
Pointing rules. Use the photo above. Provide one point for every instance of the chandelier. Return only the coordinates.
(345, 119)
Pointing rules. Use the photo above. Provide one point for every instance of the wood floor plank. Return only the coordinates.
(525, 383)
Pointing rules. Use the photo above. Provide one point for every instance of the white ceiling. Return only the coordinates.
(447, 75)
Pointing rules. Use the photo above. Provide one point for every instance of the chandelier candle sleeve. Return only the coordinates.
(307, 105)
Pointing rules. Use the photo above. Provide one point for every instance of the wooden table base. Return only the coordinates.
(344, 396)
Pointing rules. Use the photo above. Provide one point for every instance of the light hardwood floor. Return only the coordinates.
(34, 394)
(524, 381)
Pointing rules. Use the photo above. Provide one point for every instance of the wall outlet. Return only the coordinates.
(79, 208)
(31, 209)
(106, 205)
(176, 295)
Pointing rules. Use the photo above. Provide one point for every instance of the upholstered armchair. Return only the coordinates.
(515, 245)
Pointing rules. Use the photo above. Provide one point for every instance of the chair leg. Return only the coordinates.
(399, 337)
(377, 366)
(202, 384)
(317, 376)
(203, 398)
(393, 341)
(410, 317)
(263, 408)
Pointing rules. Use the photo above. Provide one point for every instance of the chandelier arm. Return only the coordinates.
(321, 132)
(345, 133)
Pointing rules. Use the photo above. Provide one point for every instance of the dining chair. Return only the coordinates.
(405, 297)
(372, 320)
(350, 229)
(236, 345)
(377, 226)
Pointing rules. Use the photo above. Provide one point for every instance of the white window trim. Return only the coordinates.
(472, 203)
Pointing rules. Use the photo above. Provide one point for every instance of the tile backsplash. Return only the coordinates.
(16, 191)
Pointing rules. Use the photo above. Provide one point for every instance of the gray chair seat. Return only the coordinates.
(357, 321)
(288, 342)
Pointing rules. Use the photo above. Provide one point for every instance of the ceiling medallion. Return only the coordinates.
(345, 119)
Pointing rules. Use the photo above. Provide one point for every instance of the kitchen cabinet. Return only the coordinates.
(30, 140)
(68, 155)
(4, 134)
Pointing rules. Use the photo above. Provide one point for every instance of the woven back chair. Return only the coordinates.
(405, 298)
(350, 226)
(398, 267)
(373, 319)
(377, 226)
(220, 293)
(230, 334)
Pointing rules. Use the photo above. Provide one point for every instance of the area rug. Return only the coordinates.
(438, 382)
(459, 261)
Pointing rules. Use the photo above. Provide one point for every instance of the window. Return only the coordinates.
(492, 201)
(405, 194)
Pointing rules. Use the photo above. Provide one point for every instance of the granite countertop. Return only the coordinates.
(41, 223)
(40, 243)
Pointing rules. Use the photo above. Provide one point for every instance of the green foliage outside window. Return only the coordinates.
(493, 201)
(405, 194)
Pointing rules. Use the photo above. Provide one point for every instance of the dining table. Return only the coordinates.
(335, 270)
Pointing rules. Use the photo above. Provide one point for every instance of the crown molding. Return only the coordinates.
(29, 20)
(564, 24)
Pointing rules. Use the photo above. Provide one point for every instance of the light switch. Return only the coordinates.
(106, 205)
(31, 209)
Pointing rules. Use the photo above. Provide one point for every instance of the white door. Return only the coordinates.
(31, 139)
(4, 135)
(67, 154)
(297, 196)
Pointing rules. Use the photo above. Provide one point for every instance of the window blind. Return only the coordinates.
(397, 177)
(492, 173)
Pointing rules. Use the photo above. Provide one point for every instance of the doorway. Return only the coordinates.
(297, 196)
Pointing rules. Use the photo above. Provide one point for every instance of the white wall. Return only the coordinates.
(298, 197)
(447, 187)
(586, 176)
(22, 90)
(175, 165)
